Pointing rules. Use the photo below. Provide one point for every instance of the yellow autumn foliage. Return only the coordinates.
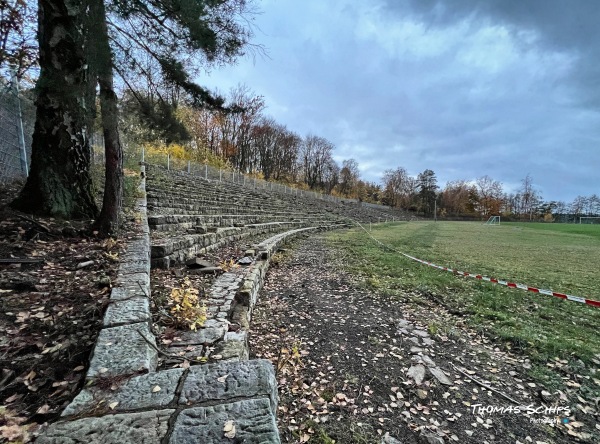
(187, 309)
(174, 150)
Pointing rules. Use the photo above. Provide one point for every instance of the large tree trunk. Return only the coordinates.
(59, 182)
(108, 221)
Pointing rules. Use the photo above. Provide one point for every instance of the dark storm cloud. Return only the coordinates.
(561, 25)
(466, 88)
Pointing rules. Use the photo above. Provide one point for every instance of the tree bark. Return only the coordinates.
(59, 182)
(108, 221)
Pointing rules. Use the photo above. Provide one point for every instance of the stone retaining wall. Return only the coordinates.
(127, 401)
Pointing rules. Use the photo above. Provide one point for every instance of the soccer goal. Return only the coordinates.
(493, 220)
(589, 220)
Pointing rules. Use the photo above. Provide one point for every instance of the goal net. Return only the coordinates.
(493, 220)
(589, 220)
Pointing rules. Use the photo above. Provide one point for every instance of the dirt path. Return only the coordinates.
(348, 362)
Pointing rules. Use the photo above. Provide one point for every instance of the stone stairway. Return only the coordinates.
(229, 398)
(190, 215)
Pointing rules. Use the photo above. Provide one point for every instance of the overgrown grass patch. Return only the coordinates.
(559, 257)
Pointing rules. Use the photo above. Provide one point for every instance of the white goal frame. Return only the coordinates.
(493, 220)
(588, 217)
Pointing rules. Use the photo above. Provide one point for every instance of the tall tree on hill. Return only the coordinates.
(316, 159)
(349, 175)
(455, 197)
(399, 188)
(427, 183)
(81, 42)
(237, 134)
(529, 197)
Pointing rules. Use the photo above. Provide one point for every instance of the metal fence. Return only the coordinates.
(17, 118)
(222, 175)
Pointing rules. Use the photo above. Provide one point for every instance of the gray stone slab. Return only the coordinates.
(136, 254)
(428, 361)
(204, 335)
(133, 428)
(123, 351)
(233, 347)
(239, 379)
(137, 249)
(123, 292)
(428, 341)
(253, 419)
(403, 323)
(130, 311)
(192, 353)
(139, 279)
(440, 375)
(153, 390)
(416, 372)
(134, 266)
(196, 262)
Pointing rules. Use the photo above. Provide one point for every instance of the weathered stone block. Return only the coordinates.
(123, 350)
(130, 311)
(125, 292)
(192, 353)
(141, 244)
(242, 379)
(139, 392)
(132, 428)
(253, 419)
(234, 347)
(135, 255)
(140, 279)
(134, 267)
(196, 262)
(208, 334)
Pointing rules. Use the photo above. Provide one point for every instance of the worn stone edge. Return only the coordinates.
(131, 287)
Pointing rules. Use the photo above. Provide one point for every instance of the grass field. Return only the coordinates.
(560, 257)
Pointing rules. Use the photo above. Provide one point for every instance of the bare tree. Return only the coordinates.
(529, 197)
(399, 188)
(488, 195)
(237, 127)
(315, 156)
(349, 176)
(456, 197)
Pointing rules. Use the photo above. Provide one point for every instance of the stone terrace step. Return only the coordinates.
(165, 252)
(214, 210)
(171, 222)
(189, 407)
(348, 208)
(231, 207)
(206, 189)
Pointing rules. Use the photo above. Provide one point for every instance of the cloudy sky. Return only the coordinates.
(466, 88)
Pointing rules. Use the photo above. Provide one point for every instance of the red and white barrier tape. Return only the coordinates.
(568, 297)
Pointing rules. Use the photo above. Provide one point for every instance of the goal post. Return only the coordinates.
(589, 220)
(493, 220)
